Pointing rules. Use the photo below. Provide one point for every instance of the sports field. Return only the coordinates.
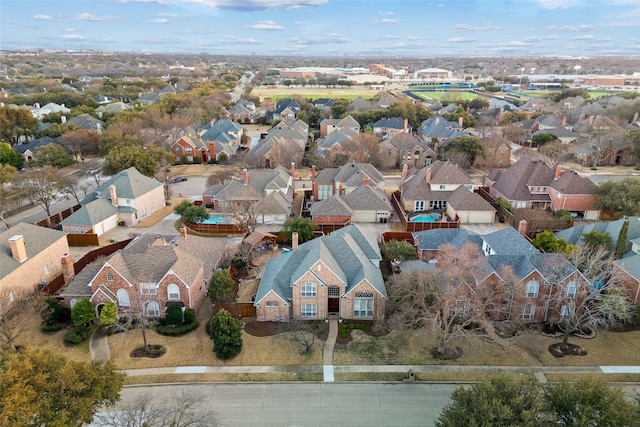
(315, 92)
(448, 95)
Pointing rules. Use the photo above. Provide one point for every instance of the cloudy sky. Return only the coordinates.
(326, 27)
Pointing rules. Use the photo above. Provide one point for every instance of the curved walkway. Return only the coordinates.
(327, 353)
(99, 346)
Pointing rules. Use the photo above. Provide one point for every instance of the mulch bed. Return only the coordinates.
(344, 331)
(260, 329)
(571, 350)
(152, 351)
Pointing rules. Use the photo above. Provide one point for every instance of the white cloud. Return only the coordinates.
(89, 17)
(531, 39)
(551, 37)
(159, 21)
(465, 27)
(388, 37)
(302, 22)
(585, 37)
(386, 21)
(266, 26)
(557, 4)
(69, 30)
(571, 28)
(386, 13)
(72, 37)
(43, 17)
(324, 39)
(160, 2)
(461, 39)
(229, 39)
(257, 4)
(634, 39)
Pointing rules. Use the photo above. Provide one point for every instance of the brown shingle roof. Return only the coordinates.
(569, 182)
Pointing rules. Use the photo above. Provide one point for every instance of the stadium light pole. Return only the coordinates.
(520, 85)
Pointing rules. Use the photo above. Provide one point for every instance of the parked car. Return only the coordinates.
(178, 179)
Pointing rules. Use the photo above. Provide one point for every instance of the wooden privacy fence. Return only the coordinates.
(94, 254)
(57, 218)
(86, 239)
(216, 229)
(397, 235)
(237, 309)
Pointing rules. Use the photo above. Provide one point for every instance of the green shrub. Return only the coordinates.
(197, 160)
(343, 332)
(189, 315)
(563, 214)
(51, 327)
(174, 314)
(71, 337)
(503, 203)
(173, 331)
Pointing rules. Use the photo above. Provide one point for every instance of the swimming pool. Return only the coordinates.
(432, 217)
(216, 219)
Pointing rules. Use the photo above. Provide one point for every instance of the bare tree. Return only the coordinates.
(600, 139)
(593, 298)
(513, 133)
(219, 176)
(301, 333)
(80, 143)
(17, 308)
(181, 410)
(43, 186)
(554, 153)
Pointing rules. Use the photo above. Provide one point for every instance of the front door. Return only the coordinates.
(334, 305)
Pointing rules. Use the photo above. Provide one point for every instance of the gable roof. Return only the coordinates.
(514, 182)
(569, 182)
(463, 199)
(389, 123)
(129, 183)
(347, 252)
(260, 182)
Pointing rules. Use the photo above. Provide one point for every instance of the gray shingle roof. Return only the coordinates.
(36, 239)
(91, 213)
(463, 199)
(348, 253)
(129, 183)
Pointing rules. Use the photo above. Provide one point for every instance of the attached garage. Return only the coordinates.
(470, 207)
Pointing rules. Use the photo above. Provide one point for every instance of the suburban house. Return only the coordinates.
(364, 204)
(287, 109)
(329, 126)
(284, 143)
(406, 148)
(531, 183)
(629, 264)
(30, 257)
(268, 193)
(28, 150)
(439, 129)
(88, 122)
(337, 143)
(540, 277)
(388, 127)
(497, 152)
(151, 272)
(125, 198)
(243, 111)
(344, 180)
(433, 186)
(197, 150)
(337, 274)
(469, 207)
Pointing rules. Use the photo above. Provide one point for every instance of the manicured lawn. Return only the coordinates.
(448, 95)
(314, 93)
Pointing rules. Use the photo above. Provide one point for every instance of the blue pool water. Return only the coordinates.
(216, 219)
(432, 217)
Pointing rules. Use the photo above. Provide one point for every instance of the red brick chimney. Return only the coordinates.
(114, 195)
(428, 174)
(294, 241)
(18, 251)
(529, 115)
(558, 172)
(183, 232)
(365, 182)
(405, 168)
(564, 122)
(313, 172)
(522, 227)
(591, 118)
(68, 272)
(245, 177)
(581, 118)
(212, 151)
(406, 125)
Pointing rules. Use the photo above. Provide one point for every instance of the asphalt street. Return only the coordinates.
(308, 404)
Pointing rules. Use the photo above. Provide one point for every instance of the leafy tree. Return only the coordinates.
(632, 137)
(221, 287)
(512, 117)
(303, 226)
(619, 197)
(399, 250)
(124, 156)
(543, 138)
(470, 146)
(109, 314)
(194, 214)
(9, 156)
(226, 333)
(53, 312)
(52, 155)
(182, 207)
(621, 243)
(468, 121)
(16, 123)
(549, 243)
(40, 388)
(499, 401)
(588, 402)
(595, 239)
(340, 107)
(502, 401)
(570, 93)
(83, 312)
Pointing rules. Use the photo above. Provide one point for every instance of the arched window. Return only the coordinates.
(532, 289)
(152, 309)
(173, 292)
(72, 302)
(572, 289)
(123, 298)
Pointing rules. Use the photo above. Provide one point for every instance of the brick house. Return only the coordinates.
(336, 274)
(29, 255)
(388, 127)
(406, 148)
(150, 272)
(542, 279)
(530, 183)
(329, 126)
(345, 179)
(364, 204)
